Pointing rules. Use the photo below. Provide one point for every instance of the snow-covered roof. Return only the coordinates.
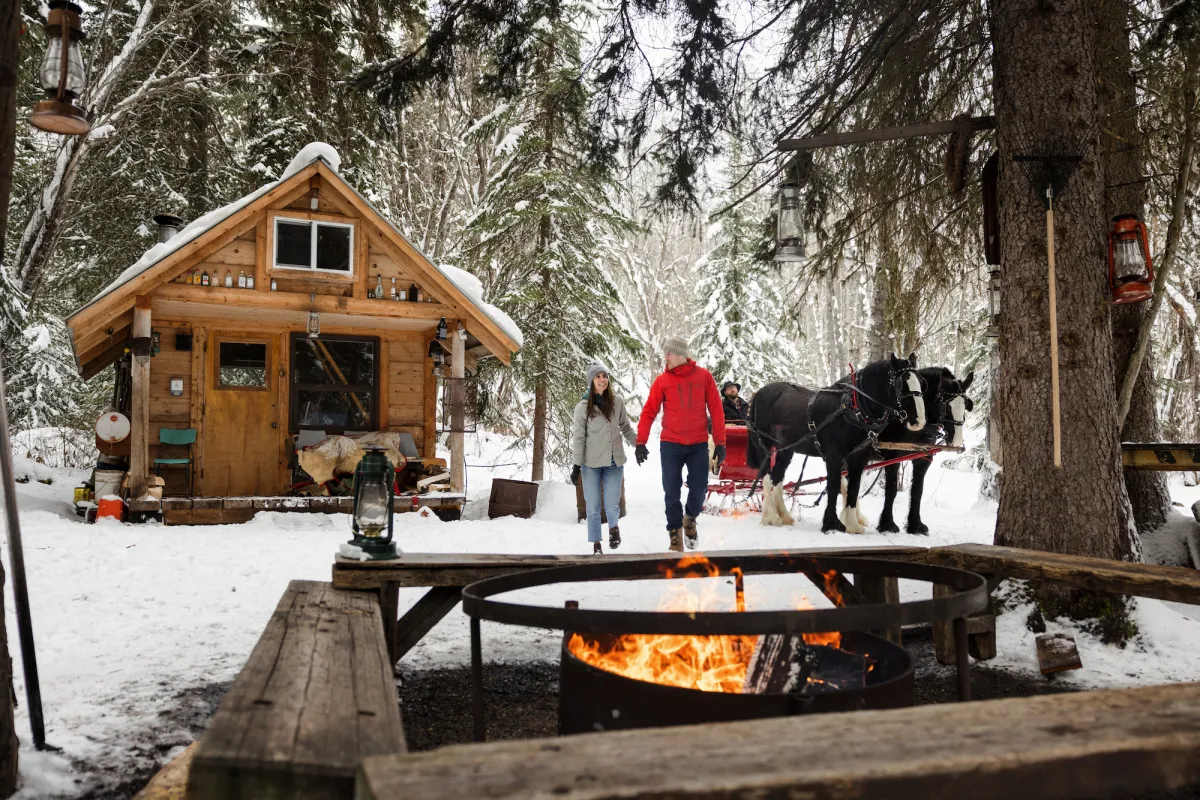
(464, 281)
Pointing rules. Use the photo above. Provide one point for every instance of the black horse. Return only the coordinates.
(837, 423)
(946, 405)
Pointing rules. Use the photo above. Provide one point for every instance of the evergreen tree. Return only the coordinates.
(546, 226)
(742, 336)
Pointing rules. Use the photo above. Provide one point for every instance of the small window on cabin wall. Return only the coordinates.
(242, 365)
(335, 382)
(319, 246)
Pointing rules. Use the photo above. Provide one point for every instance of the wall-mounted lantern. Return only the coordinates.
(789, 233)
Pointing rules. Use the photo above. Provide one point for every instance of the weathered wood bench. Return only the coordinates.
(447, 573)
(316, 695)
(1081, 745)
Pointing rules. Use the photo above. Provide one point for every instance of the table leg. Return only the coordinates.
(425, 613)
(389, 601)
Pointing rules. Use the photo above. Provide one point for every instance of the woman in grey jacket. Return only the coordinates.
(596, 451)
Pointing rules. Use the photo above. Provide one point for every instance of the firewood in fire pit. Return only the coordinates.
(786, 665)
(779, 665)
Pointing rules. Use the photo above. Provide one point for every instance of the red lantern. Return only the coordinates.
(1130, 273)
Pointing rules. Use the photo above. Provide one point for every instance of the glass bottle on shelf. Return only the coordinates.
(194, 277)
(412, 293)
(420, 295)
(241, 279)
(250, 280)
(273, 286)
(228, 279)
(403, 295)
(379, 287)
(204, 278)
(393, 295)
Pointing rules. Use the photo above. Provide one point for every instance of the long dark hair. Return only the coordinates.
(606, 406)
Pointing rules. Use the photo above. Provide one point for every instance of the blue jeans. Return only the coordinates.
(674, 458)
(607, 479)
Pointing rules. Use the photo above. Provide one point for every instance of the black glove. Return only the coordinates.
(641, 453)
(719, 455)
(575, 474)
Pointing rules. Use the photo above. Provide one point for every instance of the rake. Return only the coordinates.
(1049, 166)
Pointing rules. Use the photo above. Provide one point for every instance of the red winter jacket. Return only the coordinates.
(684, 393)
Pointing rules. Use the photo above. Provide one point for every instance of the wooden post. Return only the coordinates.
(139, 435)
(457, 418)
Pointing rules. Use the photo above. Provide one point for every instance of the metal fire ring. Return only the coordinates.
(971, 596)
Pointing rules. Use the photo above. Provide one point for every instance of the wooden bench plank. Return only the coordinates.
(462, 569)
(1117, 577)
(1077, 745)
(316, 695)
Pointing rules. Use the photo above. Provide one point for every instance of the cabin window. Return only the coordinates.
(313, 245)
(335, 381)
(242, 365)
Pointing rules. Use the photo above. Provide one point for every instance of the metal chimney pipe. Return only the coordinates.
(168, 226)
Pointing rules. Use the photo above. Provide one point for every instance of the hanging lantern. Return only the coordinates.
(314, 321)
(993, 328)
(437, 355)
(441, 329)
(789, 241)
(1130, 273)
(62, 74)
(373, 505)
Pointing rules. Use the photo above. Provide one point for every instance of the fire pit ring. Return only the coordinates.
(971, 596)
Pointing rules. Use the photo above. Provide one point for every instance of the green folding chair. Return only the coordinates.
(177, 437)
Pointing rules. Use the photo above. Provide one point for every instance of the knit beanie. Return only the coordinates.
(677, 345)
(594, 369)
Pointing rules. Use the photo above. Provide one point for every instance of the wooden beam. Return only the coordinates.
(204, 245)
(1161, 456)
(385, 384)
(1179, 584)
(882, 134)
(457, 399)
(96, 363)
(197, 406)
(1053, 747)
(291, 301)
(139, 434)
(430, 386)
(462, 569)
(83, 341)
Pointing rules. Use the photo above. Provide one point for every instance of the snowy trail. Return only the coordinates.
(126, 616)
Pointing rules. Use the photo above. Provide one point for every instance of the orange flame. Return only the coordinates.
(707, 663)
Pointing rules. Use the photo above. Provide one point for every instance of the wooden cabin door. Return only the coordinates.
(242, 423)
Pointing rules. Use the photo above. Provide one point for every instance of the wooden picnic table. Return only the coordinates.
(446, 574)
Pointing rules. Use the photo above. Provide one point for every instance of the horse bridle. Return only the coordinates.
(898, 379)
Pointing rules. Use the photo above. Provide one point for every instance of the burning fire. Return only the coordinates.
(707, 663)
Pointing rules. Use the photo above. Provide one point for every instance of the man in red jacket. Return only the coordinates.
(688, 396)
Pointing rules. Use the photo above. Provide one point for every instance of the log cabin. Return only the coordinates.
(259, 321)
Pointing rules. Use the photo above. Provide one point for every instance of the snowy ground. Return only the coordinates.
(127, 616)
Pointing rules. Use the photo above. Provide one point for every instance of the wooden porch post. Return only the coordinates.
(458, 358)
(139, 452)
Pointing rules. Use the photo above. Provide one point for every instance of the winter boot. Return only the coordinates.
(690, 534)
(676, 540)
(596, 551)
(614, 538)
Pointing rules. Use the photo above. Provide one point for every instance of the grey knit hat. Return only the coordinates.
(594, 369)
(678, 346)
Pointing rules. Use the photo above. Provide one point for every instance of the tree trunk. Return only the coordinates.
(1045, 89)
(10, 31)
(1121, 159)
(199, 118)
(878, 335)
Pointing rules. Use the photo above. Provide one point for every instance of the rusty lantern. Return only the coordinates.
(62, 73)
(1130, 272)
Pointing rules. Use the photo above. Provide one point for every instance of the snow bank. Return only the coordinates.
(469, 285)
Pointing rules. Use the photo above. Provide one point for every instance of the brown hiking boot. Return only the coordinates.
(614, 538)
(676, 540)
(690, 534)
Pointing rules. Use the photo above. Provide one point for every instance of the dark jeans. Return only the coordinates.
(674, 458)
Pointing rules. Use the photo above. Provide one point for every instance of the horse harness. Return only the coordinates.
(849, 407)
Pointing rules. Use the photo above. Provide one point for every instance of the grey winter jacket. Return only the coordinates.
(596, 442)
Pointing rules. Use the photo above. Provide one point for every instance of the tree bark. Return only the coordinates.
(10, 32)
(1122, 159)
(1044, 74)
